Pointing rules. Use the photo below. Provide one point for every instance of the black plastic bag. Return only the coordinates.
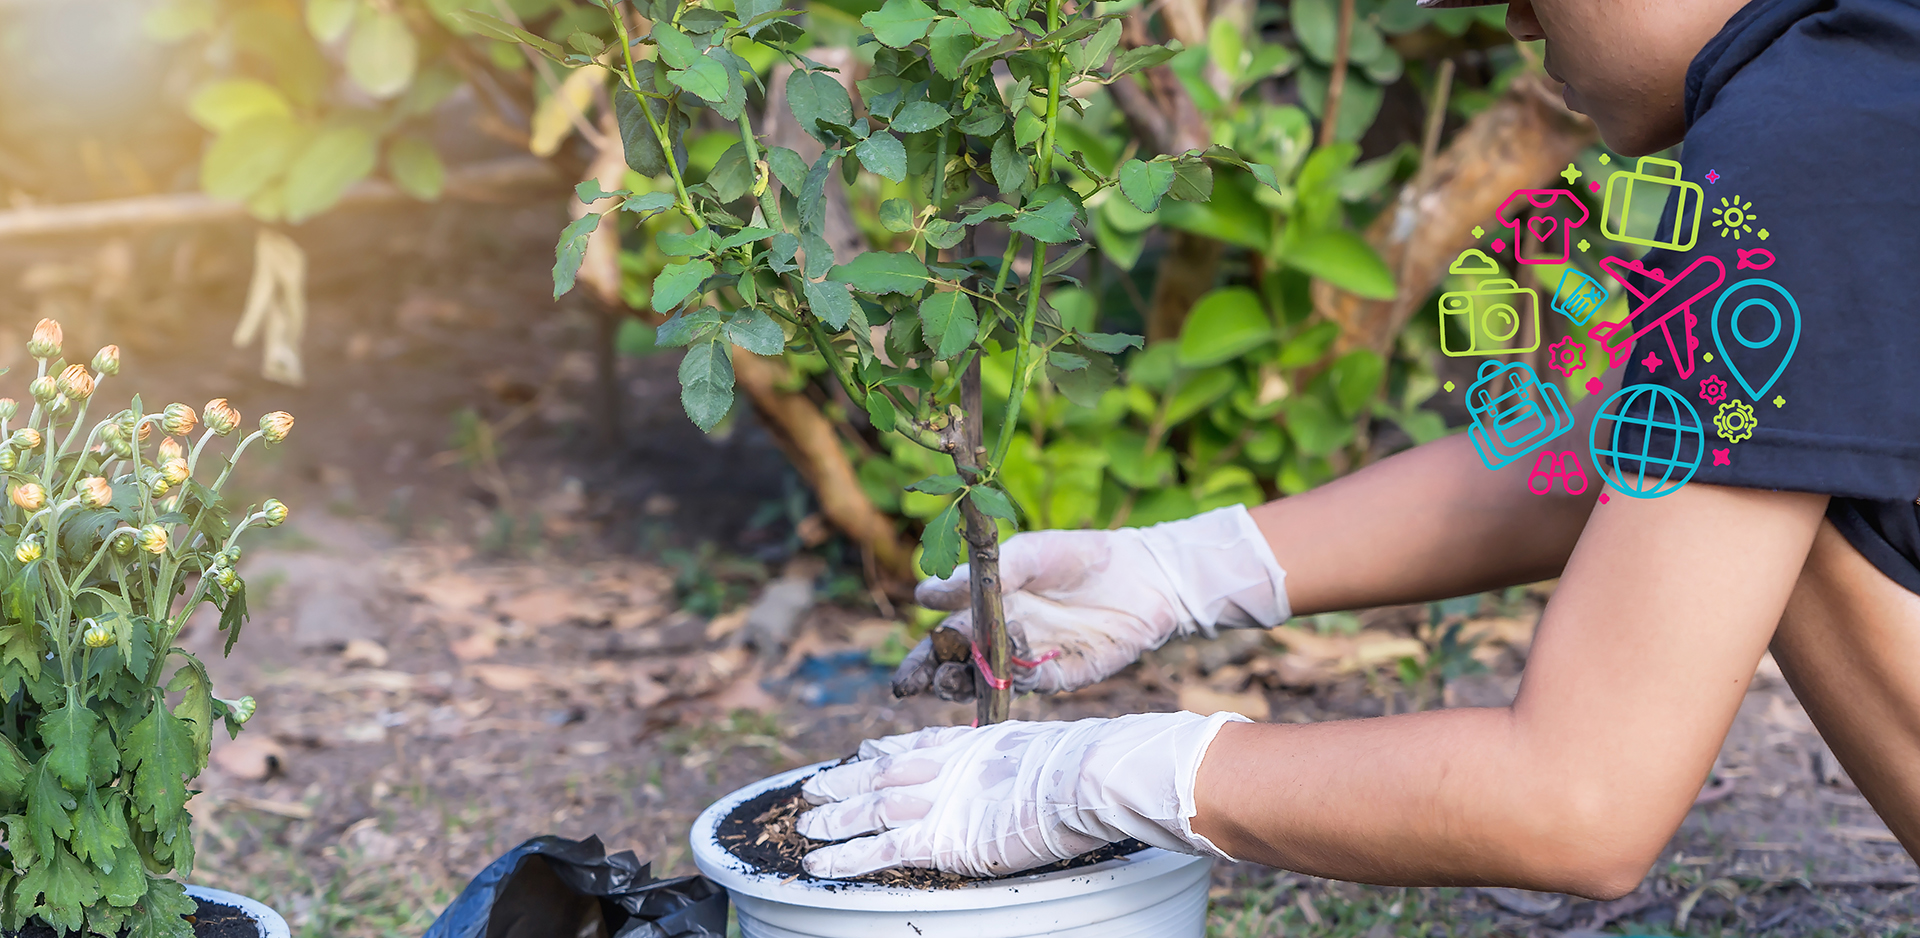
(551, 887)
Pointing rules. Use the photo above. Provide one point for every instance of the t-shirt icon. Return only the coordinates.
(1542, 221)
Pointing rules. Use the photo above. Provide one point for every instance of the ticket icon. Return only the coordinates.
(1579, 296)
(1652, 182)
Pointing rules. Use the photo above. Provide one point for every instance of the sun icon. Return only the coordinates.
(1732, 216)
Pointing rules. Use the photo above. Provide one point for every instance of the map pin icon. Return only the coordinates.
(1759, 325)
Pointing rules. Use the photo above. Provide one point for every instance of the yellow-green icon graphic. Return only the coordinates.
(1735, 421)
(1497, 316)
(1732, 217)
(1650, 183)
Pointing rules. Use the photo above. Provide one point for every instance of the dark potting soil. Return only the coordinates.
(761, 831)
(210, 920)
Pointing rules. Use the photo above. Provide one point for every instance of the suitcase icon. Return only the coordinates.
(1655, 178)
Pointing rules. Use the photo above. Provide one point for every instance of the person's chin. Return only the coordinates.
(1571, 98)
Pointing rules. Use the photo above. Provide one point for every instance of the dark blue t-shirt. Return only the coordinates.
(1803, 122)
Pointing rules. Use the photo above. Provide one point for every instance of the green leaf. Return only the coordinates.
(706, 383)
(948, 323)
(992, 502)
(881, 412)
(675, 48)
(1112, 343)
(1224, 325)
(787, 166)
(1144, 184)
(496, 28)
(1052, 222)
(648, 204)
(756, 332)
(160, 915)
(570, 251)
(813, 193)
(815, 97)
(688, 326)
(1307, 347)
(938, 485)
(1192, 181)
(948, 46)
(986, 22)
(249, 155)
(1356, 378)
(414, 165)
(196, 704)
(1009, 165)
(745, 236)
(68, 735)
(896, 215)
(899, 22)
(47, 807)
(13, 776)
(159, 750)
(328, 20)
(59, 889)
(224, 105)
(732, 176)
(677, 283)
(883, 155)
(1099, 47)
(780, 251)
(1341, 258)
(100, 829)
(1135, 59)
(831, 302)
(337, 158)
(940, 543)
(919, 116)
(705, 78)
(126, 880)
(382, 53)
(1315, 427)
(944, 234)
(987, 212)
(1085, 385)
(643, 150)
(686, 244)
(819, 254)
(882, 272)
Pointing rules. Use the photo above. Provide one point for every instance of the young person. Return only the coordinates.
(1806, 539)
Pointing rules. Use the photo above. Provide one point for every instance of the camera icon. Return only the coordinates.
(1495, 318)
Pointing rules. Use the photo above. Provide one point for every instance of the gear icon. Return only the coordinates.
(1735, 421)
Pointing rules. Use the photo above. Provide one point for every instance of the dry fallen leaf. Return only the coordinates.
(589, 747)
(253, 758)
(727, 623)
(364, 651)
(484, 643)
(1203, 701)
(507, 677)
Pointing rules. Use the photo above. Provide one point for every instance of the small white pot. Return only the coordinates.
(270, 922)
(1151, 894)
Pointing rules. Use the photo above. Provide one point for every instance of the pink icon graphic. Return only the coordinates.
(1595, 385)
(1712, 177)
(1652, 362)
(1566, 356)
(1674, 297)
(1721, 457)
(1594, 186)
(1564, 466)
(1713, 390)
(1547, 217)
(1499, 244)
(1748, 259)
(1603, 498)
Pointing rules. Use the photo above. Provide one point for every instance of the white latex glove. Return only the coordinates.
(1012, 796)
(1081, 605)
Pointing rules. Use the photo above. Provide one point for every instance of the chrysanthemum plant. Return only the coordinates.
(963, 103)
(110, 541)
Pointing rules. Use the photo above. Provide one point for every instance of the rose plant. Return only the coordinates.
(109, 541)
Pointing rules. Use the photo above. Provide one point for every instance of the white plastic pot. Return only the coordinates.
(270, 922)
(1151, 894)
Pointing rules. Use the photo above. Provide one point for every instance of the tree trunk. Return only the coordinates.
(812, 444)
(1185, 275)
(1525, 137)
(992, 691)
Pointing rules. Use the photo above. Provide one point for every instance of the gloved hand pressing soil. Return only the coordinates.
(1081, 605)
(1012, 796)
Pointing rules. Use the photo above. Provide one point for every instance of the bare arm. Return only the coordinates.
(1429, 523)
(1640, 663)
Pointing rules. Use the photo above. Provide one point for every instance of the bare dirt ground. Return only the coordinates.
(483, 626)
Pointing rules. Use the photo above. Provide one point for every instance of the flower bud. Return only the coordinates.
(8, 408)
(170, 449)
(275, 511)
(157, 484)
(117, 442)
(59, 405)
(145, 432)
(107, 360)
(96, 492)
(28, 495)
(242, 709)
(231, 556)
(75, 382)
(220, 416)
(28, 550)
(25, 438)
(9, 459)
(122, 541)
(46, 340)
(96, 635)
(43, 388)
(153, 539)
(276, 425)
(179, 420)
(174, 471)
(227, 578)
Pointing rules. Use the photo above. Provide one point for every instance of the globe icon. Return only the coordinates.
(1646, 441)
